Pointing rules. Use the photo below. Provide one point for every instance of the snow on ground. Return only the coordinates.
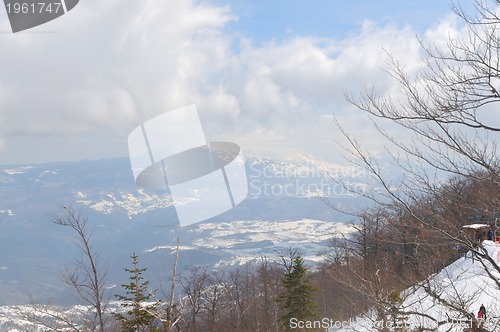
(49, 317)
(16, 171)
(133, 204)
(249, 240)
(226, 234)
(466, 278)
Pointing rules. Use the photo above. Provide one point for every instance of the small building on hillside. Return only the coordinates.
(479, 232)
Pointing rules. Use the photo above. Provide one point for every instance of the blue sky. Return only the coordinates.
(264, 20)
(262, 74)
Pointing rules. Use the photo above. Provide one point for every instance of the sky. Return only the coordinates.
(266, 75)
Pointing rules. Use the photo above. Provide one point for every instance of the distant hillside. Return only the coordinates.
(282, 210)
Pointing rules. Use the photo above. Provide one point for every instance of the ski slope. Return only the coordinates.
(465, 282)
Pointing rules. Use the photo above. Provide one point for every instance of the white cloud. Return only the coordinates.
(111, 65)
(105, 68)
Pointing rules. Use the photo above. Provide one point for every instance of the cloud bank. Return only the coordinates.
(75, 88)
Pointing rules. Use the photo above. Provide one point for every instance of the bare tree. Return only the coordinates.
(171, 314)
(447, 158)
(213, 300)
(193, 286)
(240, 300)
(239, 286)
(88, 274)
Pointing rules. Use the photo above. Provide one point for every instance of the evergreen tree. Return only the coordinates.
(139, 315)
(298, 298)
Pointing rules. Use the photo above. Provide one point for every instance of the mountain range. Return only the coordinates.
(286, 207)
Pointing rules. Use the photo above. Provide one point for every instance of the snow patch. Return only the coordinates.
(15, 171)
(8, 212)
